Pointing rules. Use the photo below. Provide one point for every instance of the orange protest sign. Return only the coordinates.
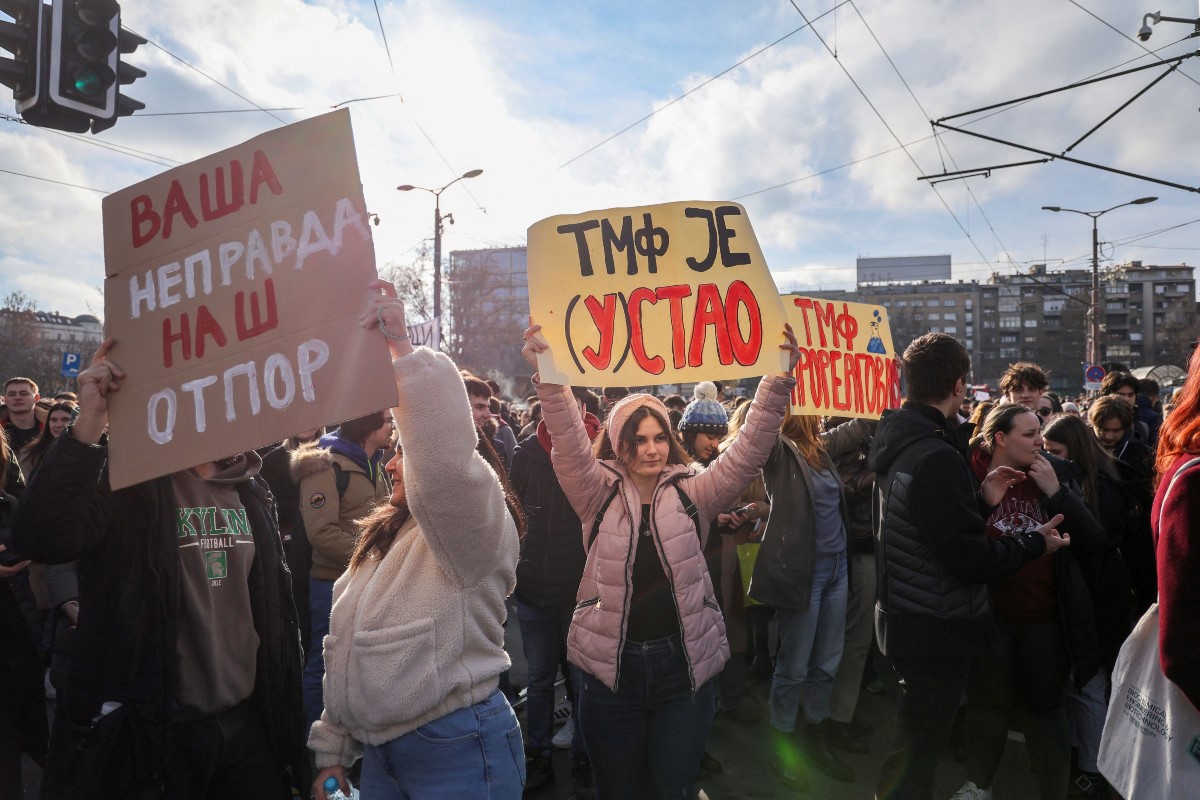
(655, 294)
(847, 365)
(233, 291)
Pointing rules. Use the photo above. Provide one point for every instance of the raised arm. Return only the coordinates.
(578, 472)
(449, 488)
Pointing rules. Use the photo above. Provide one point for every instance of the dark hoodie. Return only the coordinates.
(933, 556)
(552, 554)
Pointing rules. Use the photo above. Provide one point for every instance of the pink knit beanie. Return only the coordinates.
(618, 415)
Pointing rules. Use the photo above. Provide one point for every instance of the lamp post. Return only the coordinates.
(1093, 347)
(437, 234)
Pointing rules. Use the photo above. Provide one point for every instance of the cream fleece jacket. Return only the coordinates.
(419, 634)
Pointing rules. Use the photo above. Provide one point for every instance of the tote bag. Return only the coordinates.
(1151, 743)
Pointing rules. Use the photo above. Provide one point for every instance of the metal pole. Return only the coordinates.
(1094, 344)
(437, 257)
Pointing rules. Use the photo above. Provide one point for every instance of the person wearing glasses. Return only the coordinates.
(1047, 406)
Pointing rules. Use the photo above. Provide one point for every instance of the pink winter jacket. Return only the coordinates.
(598, 625)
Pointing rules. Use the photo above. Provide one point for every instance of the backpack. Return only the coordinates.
(688, 506)
(298, 551)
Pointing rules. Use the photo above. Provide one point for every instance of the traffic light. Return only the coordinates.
(21, 37)
(85, 68)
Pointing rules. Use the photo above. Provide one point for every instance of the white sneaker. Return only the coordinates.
(562, 739)
(970, 791)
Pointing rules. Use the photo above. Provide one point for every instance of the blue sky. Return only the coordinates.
(521, 88)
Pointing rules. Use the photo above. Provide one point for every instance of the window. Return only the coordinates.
(970, 344)
(935, 329)
(1181, 287)
(1009, 305)
(1010, 352)
(969, 304)
(950, 302)
(1008, 338)
(1010, 322)
(1031, 323)
(951, 329)
(950, 315)
(934, 302)
(1160, 288)
(901, 304)
(935, 315)
(918, 303)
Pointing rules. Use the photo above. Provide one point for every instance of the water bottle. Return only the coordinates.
(334, 792)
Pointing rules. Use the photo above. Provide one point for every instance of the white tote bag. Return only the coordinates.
(1151, 743)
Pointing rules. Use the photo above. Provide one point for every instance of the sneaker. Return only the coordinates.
(562, 739)
(970, 791)
(539, 772)
(581, 776)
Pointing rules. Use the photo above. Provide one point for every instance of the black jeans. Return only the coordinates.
(933, 688)
(226, 756)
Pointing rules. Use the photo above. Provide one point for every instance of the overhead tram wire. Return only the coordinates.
(52, 180)
(937, 137)
(153, 158)
(698, 87)
(1124, 35)
(206, 75)
(885, 124)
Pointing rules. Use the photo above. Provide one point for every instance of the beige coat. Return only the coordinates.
(419, 634)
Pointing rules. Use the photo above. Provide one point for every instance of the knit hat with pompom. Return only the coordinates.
(704, 414)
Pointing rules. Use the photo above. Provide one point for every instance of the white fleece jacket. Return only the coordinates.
(419, 634)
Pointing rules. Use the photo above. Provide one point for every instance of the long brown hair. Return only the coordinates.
(1180, 431)
(378, 528)
(1085, 452)
(602, 448)
(34, 451)
(805, 433)
(1000, 420)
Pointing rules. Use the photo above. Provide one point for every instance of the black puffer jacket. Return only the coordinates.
(125, 646)
(552, 554)
(933, 557)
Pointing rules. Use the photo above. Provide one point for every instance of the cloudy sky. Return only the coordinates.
(821, 132)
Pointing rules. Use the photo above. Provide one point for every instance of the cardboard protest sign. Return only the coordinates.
(657, 294)
(847, 366)
(233, 291)
(427, 334)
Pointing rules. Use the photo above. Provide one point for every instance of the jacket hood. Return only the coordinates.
(312, 457)
(900, 428)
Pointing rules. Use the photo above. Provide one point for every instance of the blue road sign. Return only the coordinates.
(1094, 373)
(70, 365)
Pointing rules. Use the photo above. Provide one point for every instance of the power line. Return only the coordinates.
(889, 130)
(206, 75)
(52, 180)
(116, 148)
(256, 110)
(697, 88)
(927, 116)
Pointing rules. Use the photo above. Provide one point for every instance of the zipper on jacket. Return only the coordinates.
(628, 570)
(595, 601)
(662, 553)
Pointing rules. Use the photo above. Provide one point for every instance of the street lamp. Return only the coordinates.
(437, 234)
(1093, 347)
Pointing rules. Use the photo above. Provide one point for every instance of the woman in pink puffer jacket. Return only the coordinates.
(647, 629)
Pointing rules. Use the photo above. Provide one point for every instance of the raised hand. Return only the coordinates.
(792, 346)
(94, 385)
(533, 344)
(386, 312)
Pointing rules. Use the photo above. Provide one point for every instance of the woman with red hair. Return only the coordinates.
(1175, 521)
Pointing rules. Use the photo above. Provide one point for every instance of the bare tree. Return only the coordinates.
(414, 284)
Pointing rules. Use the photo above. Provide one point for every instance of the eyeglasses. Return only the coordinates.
(1045, 412)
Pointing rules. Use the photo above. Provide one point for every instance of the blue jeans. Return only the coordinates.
(320, 603)
(646, 739)
(544, 639)
(474, 752)
(810, 648)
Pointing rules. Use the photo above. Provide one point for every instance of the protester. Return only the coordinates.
(181, 685)
(548, 575)
(934, 558)
(704, 423)
(59, 416)
(340, 482)
(20, 423)
(1107, 579)
(415, 645)
(23, 724)
(1045, 628)
(1023, 383)
(1176, 531)
(651, 639)
(1112, 419)
(803, 573)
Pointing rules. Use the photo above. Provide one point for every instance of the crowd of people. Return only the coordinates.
(332, 609)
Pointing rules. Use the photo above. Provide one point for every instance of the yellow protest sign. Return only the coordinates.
(655, 294)
(847, 365)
